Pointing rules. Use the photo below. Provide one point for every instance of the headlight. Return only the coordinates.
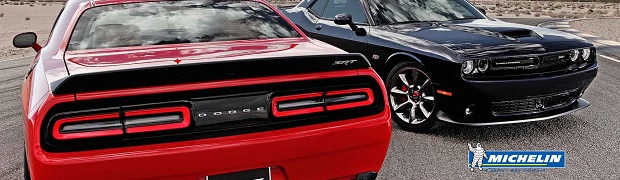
(468, 67)
(574, 55)
(483, 65)
(585, 54)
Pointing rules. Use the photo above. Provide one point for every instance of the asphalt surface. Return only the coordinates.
(589, 137)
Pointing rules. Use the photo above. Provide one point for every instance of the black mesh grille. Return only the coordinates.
(558, 62)
(542, 103)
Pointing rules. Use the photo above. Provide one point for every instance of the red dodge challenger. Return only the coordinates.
(145, 89)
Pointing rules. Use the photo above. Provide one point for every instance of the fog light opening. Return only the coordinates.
(469, 110)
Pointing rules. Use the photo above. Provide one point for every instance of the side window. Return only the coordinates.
(318, 7)
(353, 7)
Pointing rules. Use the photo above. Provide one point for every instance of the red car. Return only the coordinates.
(147, 89)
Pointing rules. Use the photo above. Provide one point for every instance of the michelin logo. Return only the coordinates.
(479, 157)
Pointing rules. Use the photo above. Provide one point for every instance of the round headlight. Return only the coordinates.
(483, 65)
(574, 55)
(468, 67)
(585, 54)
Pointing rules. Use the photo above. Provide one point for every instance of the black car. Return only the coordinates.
(445, 60)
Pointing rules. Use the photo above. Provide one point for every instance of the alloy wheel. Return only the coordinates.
(412, 97)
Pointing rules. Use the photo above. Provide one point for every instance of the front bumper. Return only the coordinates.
(322, 151)
(479, 96)
(576, 106)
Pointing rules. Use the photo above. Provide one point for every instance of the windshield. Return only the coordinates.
(172, 22)
(404, 11)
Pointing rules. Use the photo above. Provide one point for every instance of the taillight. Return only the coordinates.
(122, 122)
(349, 98)
(159, 119)
(88, 126)
(307, 103)
(297, 104)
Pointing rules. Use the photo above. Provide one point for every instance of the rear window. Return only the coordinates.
(174, 22)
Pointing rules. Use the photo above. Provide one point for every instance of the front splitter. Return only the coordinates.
(576, 106)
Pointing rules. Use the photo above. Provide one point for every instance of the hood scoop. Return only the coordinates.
(509, 33)
(520, 33)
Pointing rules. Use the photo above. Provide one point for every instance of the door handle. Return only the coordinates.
(318, 27)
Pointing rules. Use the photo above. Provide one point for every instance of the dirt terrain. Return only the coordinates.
(15, 19)
(546, 9)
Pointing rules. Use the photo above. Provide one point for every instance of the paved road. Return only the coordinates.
(589, 137)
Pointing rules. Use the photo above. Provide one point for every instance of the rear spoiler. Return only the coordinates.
(208, 71)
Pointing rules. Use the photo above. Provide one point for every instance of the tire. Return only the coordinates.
(26, 168)
(410, 87)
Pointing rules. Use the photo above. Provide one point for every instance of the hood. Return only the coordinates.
(113, 59)
(485, 37)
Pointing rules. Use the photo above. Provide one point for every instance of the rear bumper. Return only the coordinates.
(321, 151)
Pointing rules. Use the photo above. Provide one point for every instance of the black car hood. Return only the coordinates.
(491, 38)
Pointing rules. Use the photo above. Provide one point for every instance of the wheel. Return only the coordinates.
(412, 97)
(26, 169)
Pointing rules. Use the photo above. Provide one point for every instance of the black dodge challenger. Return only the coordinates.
(445, 60)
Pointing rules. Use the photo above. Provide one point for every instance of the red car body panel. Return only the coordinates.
(318, 151)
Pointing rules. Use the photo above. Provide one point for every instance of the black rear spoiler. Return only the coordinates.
(208, 71)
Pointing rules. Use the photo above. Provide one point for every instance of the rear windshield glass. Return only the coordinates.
(173, 22)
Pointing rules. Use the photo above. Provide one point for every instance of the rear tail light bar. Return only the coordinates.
(299, 104)
(159, 119)
(119, 123)
(88, 126)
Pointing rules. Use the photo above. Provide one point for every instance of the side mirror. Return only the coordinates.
(26, 40)
(343, 19)
(482, 10)
(347, 19)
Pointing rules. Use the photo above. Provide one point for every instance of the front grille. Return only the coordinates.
(514, 66)
(517, 65)
(534, 104)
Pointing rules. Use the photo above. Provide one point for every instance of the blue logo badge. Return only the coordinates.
(480, 158)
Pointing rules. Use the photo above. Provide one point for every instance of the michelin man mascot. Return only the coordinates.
(478, 155)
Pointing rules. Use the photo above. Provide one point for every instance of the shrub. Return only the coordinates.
(1, 14)
(536, 14)
(44, 4)
(27, 18)
(498, 14)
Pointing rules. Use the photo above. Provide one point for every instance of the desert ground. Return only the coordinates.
(548, 9)
(15, 19)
